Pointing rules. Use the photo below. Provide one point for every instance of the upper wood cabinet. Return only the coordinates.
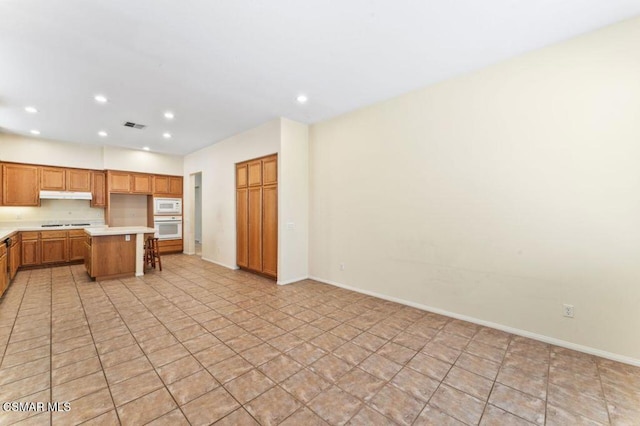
(255, 173)
(129, 183)
(141, 184)
(98, 189)
(241, 175)
(61, 179)
(270, 171)
(169, 186)
(78, 180)
(20, 185)
(119, 181)
(53, 179)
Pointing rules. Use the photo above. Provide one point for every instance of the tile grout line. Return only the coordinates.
(97, 355)
(14, 320)
(51, 344)
(604, 395)
(146, 355)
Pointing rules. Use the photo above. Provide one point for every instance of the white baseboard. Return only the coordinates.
(295, 280)
(546, 339)
(219, 263)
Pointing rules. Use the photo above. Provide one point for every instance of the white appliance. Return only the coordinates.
(168, 227)
(65, 195)
(169, 206)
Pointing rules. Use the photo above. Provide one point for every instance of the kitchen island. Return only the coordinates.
(115, 252)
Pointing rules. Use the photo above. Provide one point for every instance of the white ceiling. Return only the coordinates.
(225, 66)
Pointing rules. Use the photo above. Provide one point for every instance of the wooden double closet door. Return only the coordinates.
(257, 215)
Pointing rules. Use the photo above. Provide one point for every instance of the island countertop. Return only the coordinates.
(118, 230)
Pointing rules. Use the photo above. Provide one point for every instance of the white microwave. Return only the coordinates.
(167, 206)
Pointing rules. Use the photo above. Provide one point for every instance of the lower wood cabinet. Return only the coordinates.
(110, 256)
(54, 247)
(76, 244)
(4, 283)
(170, 246)
(51, 247)
(30, 248)
(15, 255)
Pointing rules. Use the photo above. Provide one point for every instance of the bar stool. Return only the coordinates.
(152, 253)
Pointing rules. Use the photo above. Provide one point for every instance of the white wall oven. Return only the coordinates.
(168, 227)
(168, 206)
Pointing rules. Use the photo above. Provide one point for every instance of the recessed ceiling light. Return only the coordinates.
(168, 115)
(103, 134)
(31, 110)
(166, 135)
(302, 99)
(146, 148)
(100, 98)
(34, 132)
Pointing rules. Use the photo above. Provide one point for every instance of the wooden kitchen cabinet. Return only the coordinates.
(141, 184)
(63, 179)
(167, 186)
(129, 183)
(87, 256)
(254, 173)
(76, 244)
(15, 255)
(110, 256)
(51, 247)
(254, 228)
(98, 189)
(53, 179)
(30, 248)
(170, 246)
(20, 185)
(78, 180)
(4, 283)
(257, 215)
(119, 182)
(54, 246)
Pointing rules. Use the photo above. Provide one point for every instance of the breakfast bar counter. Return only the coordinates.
(115, 252)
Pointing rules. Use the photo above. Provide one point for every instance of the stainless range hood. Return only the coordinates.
(64, 195)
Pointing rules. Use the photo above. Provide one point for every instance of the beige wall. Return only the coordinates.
(217, 164)
(23, 149)
(128, 210)
(496, 196)
(142, 161)
(293, 202)
(54, 211)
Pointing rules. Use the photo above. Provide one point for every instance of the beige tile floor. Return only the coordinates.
(198, 344)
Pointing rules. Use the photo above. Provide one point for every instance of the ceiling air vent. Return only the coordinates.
(134, 125)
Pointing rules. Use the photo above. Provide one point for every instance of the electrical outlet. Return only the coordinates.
(567, 310)
(342, 267)
(127, 237)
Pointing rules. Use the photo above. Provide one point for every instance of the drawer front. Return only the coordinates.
(76, 233)
(30, 235)
(46, 235)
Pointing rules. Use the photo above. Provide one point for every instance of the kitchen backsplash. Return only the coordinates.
(52, 211)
